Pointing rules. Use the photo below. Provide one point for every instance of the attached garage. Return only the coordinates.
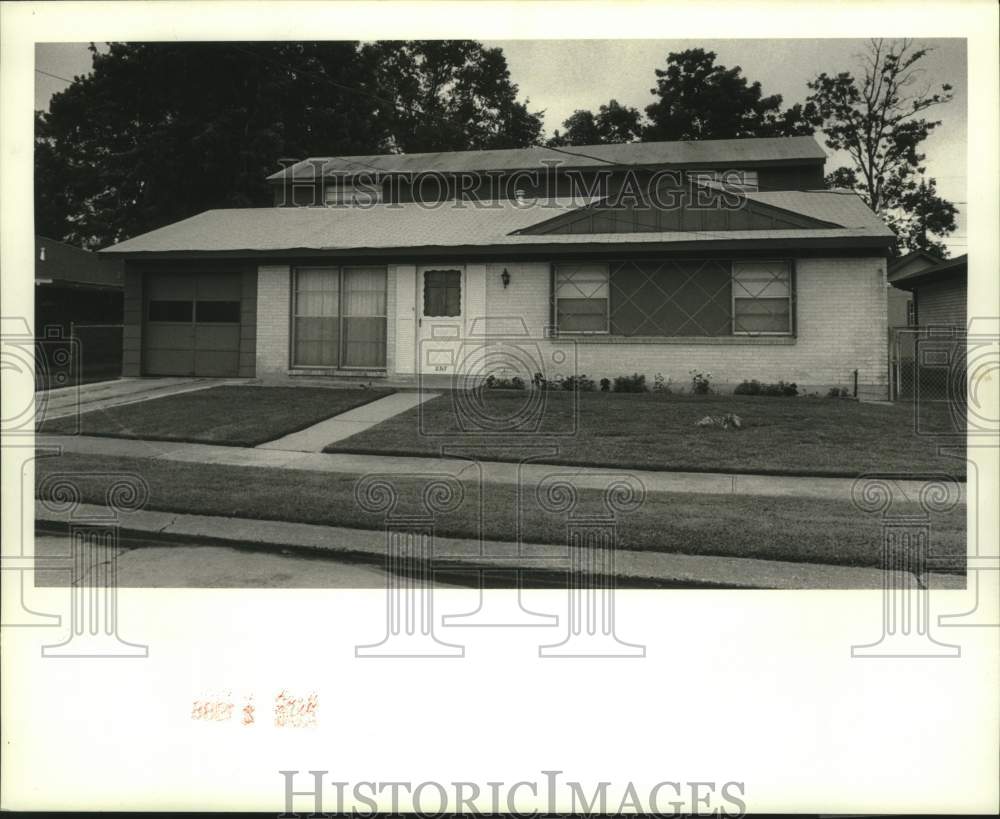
(198, 323)
(192, 325)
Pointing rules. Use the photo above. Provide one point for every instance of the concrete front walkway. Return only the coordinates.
(52, 404)
(631, 567)
(314, 438)
(489, 472)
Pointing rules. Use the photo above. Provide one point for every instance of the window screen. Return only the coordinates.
(671, 297)
(581, 294)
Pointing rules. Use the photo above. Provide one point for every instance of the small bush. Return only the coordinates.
(494, 383)
(631, 383)
(578, 383)
(837, 392)
(780, 390)
(665, 387)
(540, 382)
(701, 383)
(605, 384)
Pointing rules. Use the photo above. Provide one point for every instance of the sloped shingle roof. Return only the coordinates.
(412, 225)
(708, 151)
(936, 268)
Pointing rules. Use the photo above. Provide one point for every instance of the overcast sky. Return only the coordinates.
(559, 76)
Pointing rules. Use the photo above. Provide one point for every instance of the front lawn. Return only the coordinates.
(229, 415)
(799, 436)
(771, 528)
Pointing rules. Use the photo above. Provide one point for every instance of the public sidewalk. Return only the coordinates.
(489, 472)
(631, 567)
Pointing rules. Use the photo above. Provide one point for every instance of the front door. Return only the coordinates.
(440, 309)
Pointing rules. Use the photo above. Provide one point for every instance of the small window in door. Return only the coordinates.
(227, 312)
(442, 292)
(165, 310)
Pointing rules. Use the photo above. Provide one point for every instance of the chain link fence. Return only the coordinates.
(100, 350)
(927, 364)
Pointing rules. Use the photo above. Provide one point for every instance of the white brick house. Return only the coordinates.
(720, 256)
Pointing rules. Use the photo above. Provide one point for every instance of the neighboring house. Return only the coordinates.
(731, 260)
(928, 361)
(75, 287)
(938, 287)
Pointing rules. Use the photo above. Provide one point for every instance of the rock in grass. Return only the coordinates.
(728, 421)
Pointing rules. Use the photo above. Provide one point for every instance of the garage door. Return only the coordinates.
(192, 324)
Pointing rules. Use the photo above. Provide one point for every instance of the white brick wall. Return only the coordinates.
(841, 320)
(841, 323)
(273, 320)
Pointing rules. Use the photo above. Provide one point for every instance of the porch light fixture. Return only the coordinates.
(505, 278)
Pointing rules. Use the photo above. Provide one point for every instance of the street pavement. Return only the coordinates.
(147, 564)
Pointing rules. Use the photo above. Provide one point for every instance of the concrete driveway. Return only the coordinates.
(51, 404)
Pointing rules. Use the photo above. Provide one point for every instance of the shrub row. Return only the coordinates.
(701, 384)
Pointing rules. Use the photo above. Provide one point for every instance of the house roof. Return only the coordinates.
(933, 268)
(692, 152)
(912, 260)
(59, 263)
(836, 207)
(400, 227)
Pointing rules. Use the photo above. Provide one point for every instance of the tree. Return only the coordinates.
(158, 132)
(697, 99)
(451, 95)
(875, 120)
(614, 123)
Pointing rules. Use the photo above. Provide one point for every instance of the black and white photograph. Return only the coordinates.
(362, 368)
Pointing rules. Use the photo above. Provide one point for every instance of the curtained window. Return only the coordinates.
(582, 298)
(339, 317)
(675, 298)
(762, 298)
(364, 316)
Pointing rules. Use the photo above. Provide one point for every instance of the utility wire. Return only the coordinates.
(54, 76)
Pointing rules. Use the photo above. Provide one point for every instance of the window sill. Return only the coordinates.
(686, 340)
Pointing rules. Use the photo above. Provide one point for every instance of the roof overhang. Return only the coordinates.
(865, 246)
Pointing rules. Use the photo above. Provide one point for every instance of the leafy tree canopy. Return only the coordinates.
(875, 118)
(698, 99)
(162, 131)
(613, 123)
(451, 95)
